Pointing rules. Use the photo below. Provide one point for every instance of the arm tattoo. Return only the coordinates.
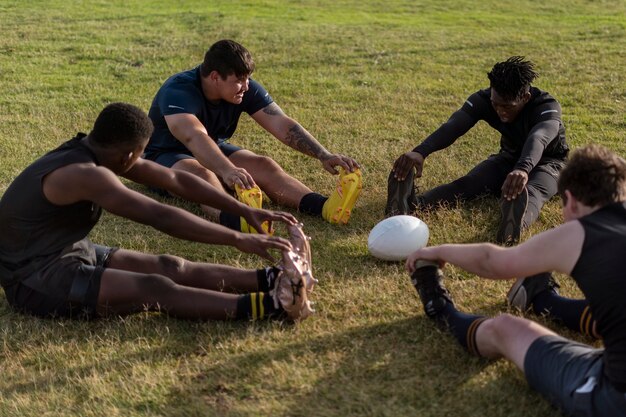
(272, 109)
(301, 140)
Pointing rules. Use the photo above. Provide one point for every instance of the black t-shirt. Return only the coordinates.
(600, 272)
(182, 93)
(31, 227)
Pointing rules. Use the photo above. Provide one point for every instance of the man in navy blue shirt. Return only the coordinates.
(196, 112)
(525, 170)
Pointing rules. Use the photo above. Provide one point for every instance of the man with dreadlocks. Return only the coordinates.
(524, 172)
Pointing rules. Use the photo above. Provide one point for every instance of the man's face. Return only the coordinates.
(508, 110)
(233, 88)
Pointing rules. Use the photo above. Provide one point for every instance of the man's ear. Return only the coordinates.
(126, 158)
(214, 75)
(526, 97)
(571, 204)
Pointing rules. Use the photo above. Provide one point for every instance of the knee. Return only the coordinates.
(498, 327)
(267, 164)
(156, 288)
(194, 167)
(170, 265)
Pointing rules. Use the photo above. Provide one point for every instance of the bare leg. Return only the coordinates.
(124, 292)
(277, 184)
(194, 167)
(508, 336)
(181, 271)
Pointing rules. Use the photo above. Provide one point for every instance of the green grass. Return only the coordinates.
(367, 78)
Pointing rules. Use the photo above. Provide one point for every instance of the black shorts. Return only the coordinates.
(67, 285)
(168, 159)
(570, 375)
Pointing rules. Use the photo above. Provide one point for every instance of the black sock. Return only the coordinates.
(312, 203)
(462, 326)
(256, 306)
(232, 221)
(574, 314)
(266, 278)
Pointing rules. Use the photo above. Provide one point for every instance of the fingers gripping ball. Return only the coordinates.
(295, 280)
(396, 237)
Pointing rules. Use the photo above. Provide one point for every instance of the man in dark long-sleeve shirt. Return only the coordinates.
(532, 151)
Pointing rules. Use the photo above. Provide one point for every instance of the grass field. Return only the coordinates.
(369, 79)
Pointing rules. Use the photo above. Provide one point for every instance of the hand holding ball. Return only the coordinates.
(395, 238)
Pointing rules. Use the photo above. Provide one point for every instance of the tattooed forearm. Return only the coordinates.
(272, 109)
(301, 140)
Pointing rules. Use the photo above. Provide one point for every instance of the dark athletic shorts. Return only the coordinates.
(168, 159)
(569, 375)
(66, 285)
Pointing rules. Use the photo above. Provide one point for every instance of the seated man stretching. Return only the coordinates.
(48, 266)
(577, 378)
(525, 170)
(195, 113)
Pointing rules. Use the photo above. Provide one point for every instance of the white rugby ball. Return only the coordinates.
(396, 237)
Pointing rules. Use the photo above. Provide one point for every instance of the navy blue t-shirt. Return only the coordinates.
(182, 93)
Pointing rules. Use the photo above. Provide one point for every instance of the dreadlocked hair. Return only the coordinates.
(512, 78)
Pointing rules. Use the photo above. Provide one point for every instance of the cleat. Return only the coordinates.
(524, 290)
(427, 280)
(295, 280)
(401, 198)
(338, 207)
(513, 211)
(290, 290)
(300, 244)
(251, 198)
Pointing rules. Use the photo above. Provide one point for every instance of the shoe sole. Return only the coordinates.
(292, 295)
(514, 294)
(349, 187)
(399, 193)
(251, 198)
(513, 212)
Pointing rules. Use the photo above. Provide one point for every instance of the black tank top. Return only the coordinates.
(600, 272)
(31, 228)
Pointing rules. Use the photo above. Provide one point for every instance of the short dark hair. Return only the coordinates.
(227, 57)
(512, 78)
(121, 124)
(595, 176)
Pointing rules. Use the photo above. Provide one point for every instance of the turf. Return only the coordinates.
(369, 79)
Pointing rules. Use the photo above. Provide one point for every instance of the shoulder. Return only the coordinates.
(477, 102)
(186, 81)
(256, 98)
(543, 106)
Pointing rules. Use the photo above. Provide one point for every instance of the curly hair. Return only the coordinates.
(595, 176)
(121, 124)
(512, 78)
(227, 57)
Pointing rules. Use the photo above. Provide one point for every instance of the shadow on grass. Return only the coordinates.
(406, 367)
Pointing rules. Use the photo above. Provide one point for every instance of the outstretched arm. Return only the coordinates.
(189, 130)
(87, 182)
(456, 126)
(192, 188)
(291, 133)
(540, 136)
(553, 250)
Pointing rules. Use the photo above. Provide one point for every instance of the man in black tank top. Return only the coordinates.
(578, 379)
(524, 172)
(48, 266)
